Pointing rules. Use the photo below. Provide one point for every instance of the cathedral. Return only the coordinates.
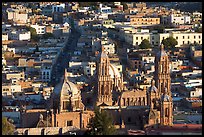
(130, 108)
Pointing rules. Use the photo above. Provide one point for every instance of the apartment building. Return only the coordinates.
(39, 29)
(155, 39)
(16, 16)
(9, 89)
(144, 21)
(176, 19)
(19, 35)
(17, 75)
(187, 38)
(46, 73)
(58, 8)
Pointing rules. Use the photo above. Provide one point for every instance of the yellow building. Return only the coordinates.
(155, 39)
(144, 21)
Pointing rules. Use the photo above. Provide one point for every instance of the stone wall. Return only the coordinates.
(45, 131)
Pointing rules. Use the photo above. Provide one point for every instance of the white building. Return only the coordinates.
(197, 92)
(58, 8)
(104, 9)
(182, 38)
(19, 35)
(17, 16)
(176, 19)
(174, 66)
(179, 19)
(90, 69)
(4, 36)
(46, 73)
(39, 29)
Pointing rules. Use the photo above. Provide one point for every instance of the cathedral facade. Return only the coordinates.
(130, 108)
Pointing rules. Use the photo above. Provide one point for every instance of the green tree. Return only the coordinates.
(169, 42)
(101, 123)
(34, 35)
(125, 6)
(7, 127)
(145, 44)
(47, 35)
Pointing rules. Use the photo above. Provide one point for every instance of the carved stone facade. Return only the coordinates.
(133, 108)
(109, 80)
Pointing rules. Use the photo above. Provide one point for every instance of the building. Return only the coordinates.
(4, 36)
(104, 9)
(39, 29)
(20, 35)
(17, 16)
(144, 21)
(130, 108)
(58, 8)
(183, 38)
(175, 19)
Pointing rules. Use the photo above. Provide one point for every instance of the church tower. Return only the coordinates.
(162, 72)
(163, 83)
(166, 117)
(104, 80)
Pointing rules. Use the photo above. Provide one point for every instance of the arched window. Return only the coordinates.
(128, 101)
(139, 102)
(144, 101)
(166, 112)
(123, 101)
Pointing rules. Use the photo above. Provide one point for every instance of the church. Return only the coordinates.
(130, 108)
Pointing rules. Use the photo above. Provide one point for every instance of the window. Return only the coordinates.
(136, 38)
(129, 119)
(188, 42)
(183, 37)
(194, 37)
(183, 42)
(176, 37)
(199, 37)
(87, 70)
(188, 37)
(69, 123)
(166, 112)
(152, 38)
(141, 38)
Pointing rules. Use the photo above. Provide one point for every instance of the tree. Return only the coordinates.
(145, 44)
(7, 127)
(125, 6)
(101, 123)
(34, 35)
(47, 35)
(169, 42)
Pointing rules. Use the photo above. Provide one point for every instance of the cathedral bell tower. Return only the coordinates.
(166, 117)
(163, 83)
(162, 72)
(104, 80)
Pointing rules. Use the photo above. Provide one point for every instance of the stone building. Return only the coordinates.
(134, 108)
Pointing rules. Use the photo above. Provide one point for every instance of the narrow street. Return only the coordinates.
(64, 57)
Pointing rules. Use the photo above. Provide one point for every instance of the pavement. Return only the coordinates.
(64, 58)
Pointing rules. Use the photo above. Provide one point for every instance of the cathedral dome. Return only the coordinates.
(113, 71)
(66, 88)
